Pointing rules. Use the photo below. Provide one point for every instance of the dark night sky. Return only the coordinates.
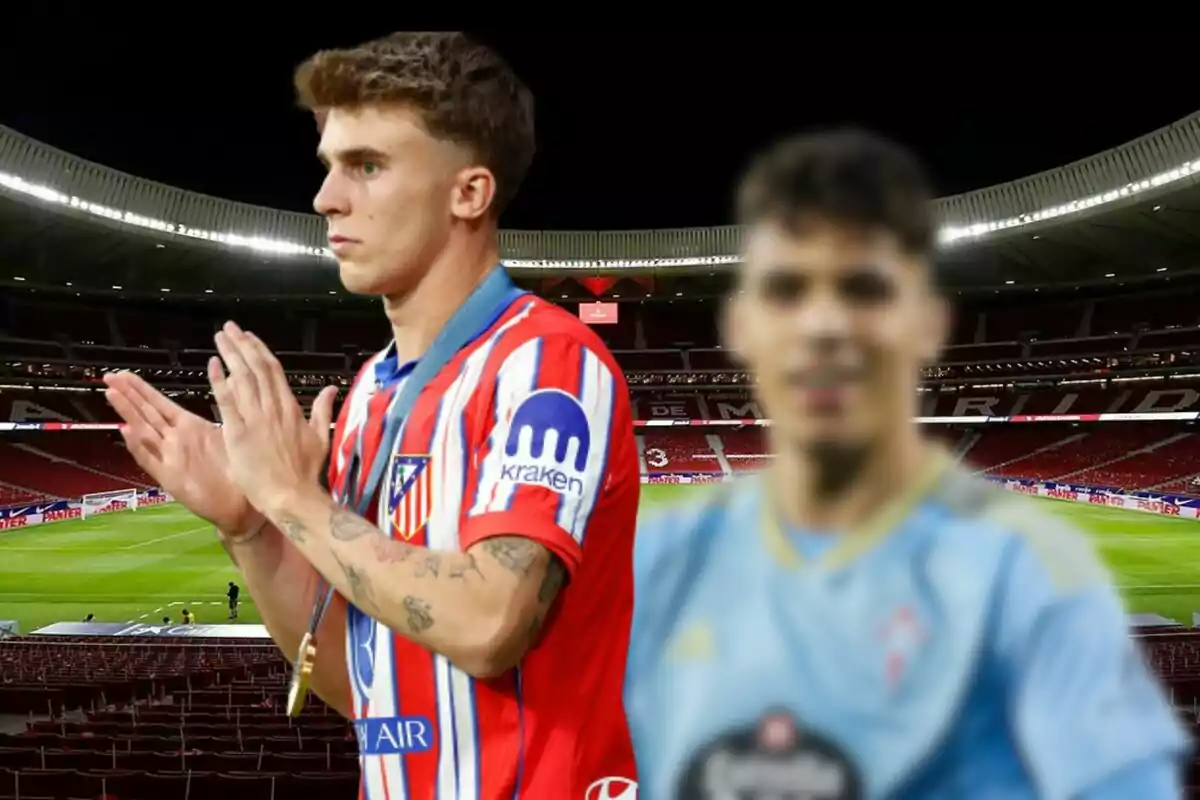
(635, 130)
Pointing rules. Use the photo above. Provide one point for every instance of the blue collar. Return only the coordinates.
(388, 370)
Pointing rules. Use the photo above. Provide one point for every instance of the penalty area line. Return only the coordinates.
(188, 532)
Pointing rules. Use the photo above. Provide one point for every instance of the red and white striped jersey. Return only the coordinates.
(527, 432)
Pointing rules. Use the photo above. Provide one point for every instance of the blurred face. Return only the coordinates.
(836, 324)
(392, 196)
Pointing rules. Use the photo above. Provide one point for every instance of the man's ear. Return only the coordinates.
(473, 192)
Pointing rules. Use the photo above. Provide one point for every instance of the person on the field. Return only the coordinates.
(90, 618)
(233, 594)
(187, 616)
(483, 556)
(865, 619)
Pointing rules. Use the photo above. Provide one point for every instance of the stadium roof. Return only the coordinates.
(1128, 213)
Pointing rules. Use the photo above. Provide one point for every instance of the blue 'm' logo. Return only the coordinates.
(385, 736)
(551, 410)
(529, 459)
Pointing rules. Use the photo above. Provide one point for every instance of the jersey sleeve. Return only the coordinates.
(544, 457)
(1086, 711)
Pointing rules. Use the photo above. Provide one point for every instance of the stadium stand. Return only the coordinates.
(1041, 329)
(670, 385)
(164, 722)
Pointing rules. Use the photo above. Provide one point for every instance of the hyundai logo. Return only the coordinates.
(612, 789)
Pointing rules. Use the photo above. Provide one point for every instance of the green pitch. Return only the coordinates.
(143, 565)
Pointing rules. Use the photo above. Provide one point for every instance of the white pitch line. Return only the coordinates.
(167, 538)
(1160, 586)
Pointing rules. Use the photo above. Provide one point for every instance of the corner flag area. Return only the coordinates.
(143, 565)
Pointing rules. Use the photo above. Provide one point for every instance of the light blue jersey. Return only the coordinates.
(967, 645)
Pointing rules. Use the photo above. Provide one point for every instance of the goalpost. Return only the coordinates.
(105, 502)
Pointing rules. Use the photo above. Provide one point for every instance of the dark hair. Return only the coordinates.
(464, 91)
(848, 176)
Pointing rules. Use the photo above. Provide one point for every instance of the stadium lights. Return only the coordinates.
(17, 278)
(947, 234)
(118, 288)
(1161, 269)
(1110, 274)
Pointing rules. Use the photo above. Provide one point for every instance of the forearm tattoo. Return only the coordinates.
(346, 526)
(430, 564)
(390, 551)
(294, 529)
(360, 583)
(514, 553)
(468, 567)
(419, 617)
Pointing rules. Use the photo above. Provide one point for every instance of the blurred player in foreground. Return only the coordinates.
(483, 559)
(864, 619)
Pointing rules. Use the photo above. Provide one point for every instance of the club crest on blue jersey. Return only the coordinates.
(410, 494)
(775, 757)
(548, 443)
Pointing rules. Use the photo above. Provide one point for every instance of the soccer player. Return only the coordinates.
(233, 593)
(479, 628)
(864, 619)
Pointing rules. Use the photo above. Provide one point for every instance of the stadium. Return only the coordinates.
(1073, 377)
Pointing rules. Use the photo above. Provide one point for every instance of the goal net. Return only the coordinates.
(105, 502)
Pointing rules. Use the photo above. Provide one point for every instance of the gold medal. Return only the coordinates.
(306, 659)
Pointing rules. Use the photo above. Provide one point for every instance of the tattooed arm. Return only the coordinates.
(482, 608)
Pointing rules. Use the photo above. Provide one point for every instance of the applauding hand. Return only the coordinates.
(182, 452)
(274, 452)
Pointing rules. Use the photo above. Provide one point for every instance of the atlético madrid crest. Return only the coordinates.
(410, 494)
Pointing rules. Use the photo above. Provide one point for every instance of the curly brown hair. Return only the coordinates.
(464, 91)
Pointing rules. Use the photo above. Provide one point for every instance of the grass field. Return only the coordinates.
(143, 565)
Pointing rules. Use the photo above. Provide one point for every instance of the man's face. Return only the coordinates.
(835, 323)
(388, 196)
